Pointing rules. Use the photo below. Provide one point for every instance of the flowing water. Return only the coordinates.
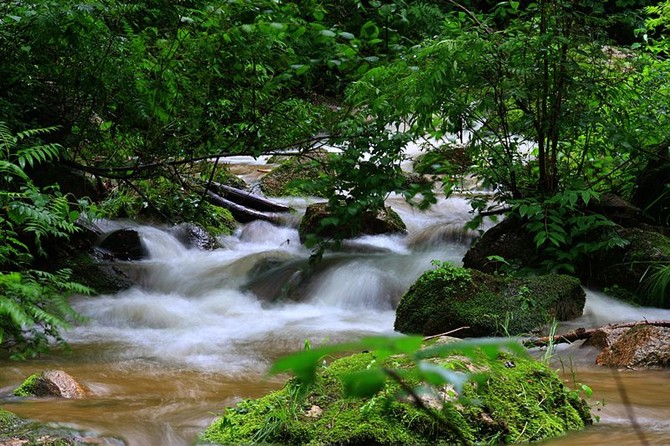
(162, 359)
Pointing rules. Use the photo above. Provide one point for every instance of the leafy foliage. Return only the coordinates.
(368, 382)
(33, 304)
(564, 231)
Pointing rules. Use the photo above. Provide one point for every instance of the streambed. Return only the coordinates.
(162, 359)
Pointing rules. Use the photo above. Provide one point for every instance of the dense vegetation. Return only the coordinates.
(562, 102)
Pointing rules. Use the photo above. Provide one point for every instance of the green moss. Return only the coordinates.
(219, 220)
(17, 430)
(27, 387)
(384, 221)
(626, 272)
(524, 403)
(445, 160)
(296, 176)
(448, 297)
(647, 244)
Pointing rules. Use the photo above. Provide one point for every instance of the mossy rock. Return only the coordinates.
(625, 269)
(385, 221)
(15, 430)
(508, 240)
(449, 159)
(296, 176)
(50, 383)
(653, 184)
(447, 298)
(520, 400)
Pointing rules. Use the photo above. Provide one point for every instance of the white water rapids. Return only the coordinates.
(201, 330)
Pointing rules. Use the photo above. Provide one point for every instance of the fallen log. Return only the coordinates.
(239, 212)
(583, 334)
(247, 199)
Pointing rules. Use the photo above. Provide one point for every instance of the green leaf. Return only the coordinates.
(364, 383)
(302, 364)
(439, 376)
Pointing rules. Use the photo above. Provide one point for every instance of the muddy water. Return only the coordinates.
(162, 359)
(648, 397)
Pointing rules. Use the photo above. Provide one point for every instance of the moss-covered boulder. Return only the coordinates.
(193, 235)
(628, 269)
(520, 400)
(448, 159)
(508, 240)
(51, 383)
(296, 176)
(385, 221)
(447, 298)
(15, 431)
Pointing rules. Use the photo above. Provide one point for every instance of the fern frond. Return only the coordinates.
(9, 170)
(37, 154)
(33, 133)
(7, 140)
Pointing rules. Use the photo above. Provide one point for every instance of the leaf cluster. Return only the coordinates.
(565, 232)
(33, 303)
(367, 383)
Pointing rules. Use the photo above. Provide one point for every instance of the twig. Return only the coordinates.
(582, 333)
(445, 333)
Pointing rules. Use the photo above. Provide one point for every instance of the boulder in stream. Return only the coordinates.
(296, 175)
(192, 235)
(124, 244)
(17, 431)
(640, 346)
(628, 268)
(448, 298)
(519, 401)
(509, 240)
(386, 221)
(51, 383)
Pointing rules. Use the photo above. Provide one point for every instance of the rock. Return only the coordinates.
(69, 181)
(16, 431)
(285, 180)
(447, 298)
(51, 383)
(99, 271)
(509, 240)
(192, 235)
(651, 192)
(641, 346)
(515, 404)
(386, 221)
(449, 159)
(124, 244)
(619, 211)
(90, 266)
(626, 268)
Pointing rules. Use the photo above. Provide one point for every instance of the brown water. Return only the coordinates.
(137, 401)
(163, 359)
(648, 396)
(150, 404)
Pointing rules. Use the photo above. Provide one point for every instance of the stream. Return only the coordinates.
(200, 332)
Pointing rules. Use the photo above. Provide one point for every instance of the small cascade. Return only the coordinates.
(204, 326)
(601, 309)
(203, 309)
(160, 244)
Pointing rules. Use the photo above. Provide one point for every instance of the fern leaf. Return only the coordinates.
(15, 312)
